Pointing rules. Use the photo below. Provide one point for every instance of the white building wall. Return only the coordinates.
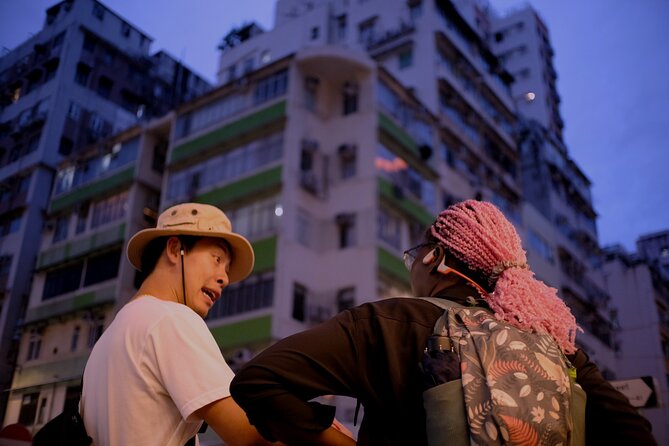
(632, 292)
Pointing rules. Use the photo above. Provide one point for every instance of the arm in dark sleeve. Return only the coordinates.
(609, 416)
(275, 387)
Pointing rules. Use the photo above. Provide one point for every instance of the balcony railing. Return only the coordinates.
(73, 177)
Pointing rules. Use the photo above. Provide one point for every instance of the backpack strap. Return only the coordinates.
(441, 326)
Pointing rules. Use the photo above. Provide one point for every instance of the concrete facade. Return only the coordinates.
(58, 96)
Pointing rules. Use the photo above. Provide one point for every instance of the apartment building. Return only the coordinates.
(641, 295)
(85, 75)
(561, 236)
(444, 54)
(522, 42)
(331, 142)
(654, 249)
(402, 105)
(81, 277)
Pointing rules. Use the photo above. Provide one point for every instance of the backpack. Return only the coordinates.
(489, 383)
(66, 429)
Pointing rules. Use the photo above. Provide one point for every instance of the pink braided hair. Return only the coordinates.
(479, 235)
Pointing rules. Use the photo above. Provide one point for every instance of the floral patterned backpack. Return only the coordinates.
(516, 387)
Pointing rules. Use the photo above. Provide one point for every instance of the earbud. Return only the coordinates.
(182, 252)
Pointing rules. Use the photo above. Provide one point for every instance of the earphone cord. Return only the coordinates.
(183, 277)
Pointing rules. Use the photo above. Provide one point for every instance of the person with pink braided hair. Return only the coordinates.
(503, 325)
(477, 234)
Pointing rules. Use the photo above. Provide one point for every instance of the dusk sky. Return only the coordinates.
(613, 77)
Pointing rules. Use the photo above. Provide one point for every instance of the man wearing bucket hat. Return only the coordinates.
(157, 373)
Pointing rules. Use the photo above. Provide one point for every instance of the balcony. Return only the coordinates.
(75, 302)
(228, 133)
(80, 247)
(390, 40)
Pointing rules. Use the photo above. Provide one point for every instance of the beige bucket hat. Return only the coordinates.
(199, 220)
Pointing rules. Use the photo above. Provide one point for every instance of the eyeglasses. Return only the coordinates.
(410, 255)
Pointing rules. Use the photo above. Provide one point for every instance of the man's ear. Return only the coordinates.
(173, 249)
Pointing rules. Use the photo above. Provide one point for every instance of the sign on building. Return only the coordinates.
(642, 392)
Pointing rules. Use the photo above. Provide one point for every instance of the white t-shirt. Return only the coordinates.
(150, 370)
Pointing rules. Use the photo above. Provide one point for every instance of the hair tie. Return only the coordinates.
(503, 266)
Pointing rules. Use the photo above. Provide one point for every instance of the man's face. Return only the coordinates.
(206, 267)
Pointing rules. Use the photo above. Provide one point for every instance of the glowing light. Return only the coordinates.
(278, 210)
(394, 165)
(530, 96)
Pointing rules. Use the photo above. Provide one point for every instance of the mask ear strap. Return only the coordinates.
(433, 255)
(446, 270)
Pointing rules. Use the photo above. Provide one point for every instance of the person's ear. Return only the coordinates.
(174, 249)
(434, 256)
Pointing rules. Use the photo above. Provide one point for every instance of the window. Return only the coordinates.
(97, 327)
(51, 69)
(389, 229)
(61, 228)
(366, 31)
(95, 123)
(405, 58)
(303, 227)
(28, 408)
(66, 146)
(271, 87)
(349, 98)
(62, 280)
(40, 412)
(252, 293)
(109, 209)
(227, 166)
(125, 29)
(34, 345)
(159, 157)
(74, 342)
(311, 92)
(346, 230)
(347, 160)
(231, 73)
(314, 33)
(256, 219)
(299, 302)
(341, 27)
(102, 267)
(541, 246)
(82, 218)
(9, 225)
(82, 74)
(105, 87)
(74, 111)
(248, 65)
(33, 80)
(89, 43)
